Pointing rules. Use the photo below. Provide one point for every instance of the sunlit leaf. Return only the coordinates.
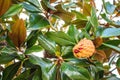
(61, 38)
(37, 22)
(110, 32)
(48, 68)
(73, 32)
(94, 20)
(74, 72)
(13, 10)
(35, 48)
(31, 8)
(109, 7)
(7, 55)
(64, 15)
(46, 44)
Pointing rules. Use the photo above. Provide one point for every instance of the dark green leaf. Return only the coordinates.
(61, 38)
(48, 68)
(46, 44)
(118, 63)
(112, 47)
(110, 32)
(35, 48)
(73, 32)
(13, 10)
(32, 38)
(86, 34)
(7, 55)
(10, 71)
(37, 75)
(66, 50)
(75, 73)
(24, 75)
(37, 22)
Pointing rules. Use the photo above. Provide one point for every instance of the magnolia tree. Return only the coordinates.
(78, 41)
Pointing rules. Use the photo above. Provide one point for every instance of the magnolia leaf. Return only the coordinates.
(4, 6)
(13, 10)
(35, 48)
(73, 32)
(94, 20)
(18, 32)
(7, 55)
(47, 44)
(110, 32)
(37, 22)
(64, 15)
(61, 38)
(75, 73)
(109, 7)
(31, 8)
(10, 71)
(47, 67)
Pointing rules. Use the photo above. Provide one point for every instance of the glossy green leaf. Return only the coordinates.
(110, 32)
(34, 3)
(35, 48)
(61, 38)
(7, 55)
(75, 73)
(47, 44)
(37, 75)
(112, 47)
(32, 38)
(94, 20)
(73, 32)
(66, 50)
(118, 63)
(10, 71)
(24, 75)
(31, 8)
(13, 10)
(111, 42)
(86, 34)
(48, 69)
(99, 31)
(37, 22)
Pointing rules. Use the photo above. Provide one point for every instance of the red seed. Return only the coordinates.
(76, 51)
(80, 48)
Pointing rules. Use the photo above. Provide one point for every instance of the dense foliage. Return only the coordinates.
(53, 28)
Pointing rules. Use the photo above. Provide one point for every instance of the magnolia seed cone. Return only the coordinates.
(84, 49)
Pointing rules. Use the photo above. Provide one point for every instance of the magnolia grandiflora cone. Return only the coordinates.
(18, 32)
(4, 6)
(84, 49)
